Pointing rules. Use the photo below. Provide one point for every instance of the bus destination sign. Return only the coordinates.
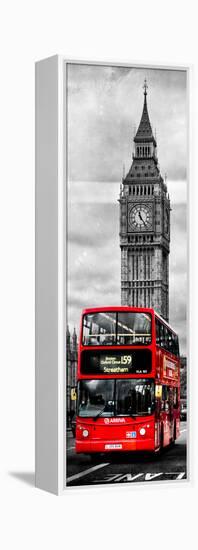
(116, 362)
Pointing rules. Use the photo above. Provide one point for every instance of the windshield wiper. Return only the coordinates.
(99, 414)
(139, 414)
(132, 416)
(143, 414)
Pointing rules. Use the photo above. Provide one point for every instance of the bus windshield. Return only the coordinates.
(106, 398)
(116, 328)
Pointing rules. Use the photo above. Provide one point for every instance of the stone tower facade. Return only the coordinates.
(145, 225)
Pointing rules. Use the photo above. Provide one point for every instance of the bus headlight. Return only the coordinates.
(142, 431)
(85, 433)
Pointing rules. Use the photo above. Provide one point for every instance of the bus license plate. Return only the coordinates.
(131, 435)
(113, 446)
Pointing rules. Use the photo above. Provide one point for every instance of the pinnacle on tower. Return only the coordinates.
(68, 335)
(144, 132)
(74, 339)
(145, 87)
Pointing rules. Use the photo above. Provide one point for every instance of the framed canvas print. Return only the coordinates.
(111, 274)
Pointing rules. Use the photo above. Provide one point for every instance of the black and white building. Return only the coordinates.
(145, 225)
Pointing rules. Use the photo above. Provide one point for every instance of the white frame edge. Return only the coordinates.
(50, 307)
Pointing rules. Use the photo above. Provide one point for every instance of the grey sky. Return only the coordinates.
(104, 106)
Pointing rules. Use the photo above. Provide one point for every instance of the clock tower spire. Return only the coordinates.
(145, 225)
(145, 143)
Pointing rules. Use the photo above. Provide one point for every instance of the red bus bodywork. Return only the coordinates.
(154, 431)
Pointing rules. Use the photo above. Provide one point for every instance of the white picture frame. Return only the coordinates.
(51, 176)
(50, 355)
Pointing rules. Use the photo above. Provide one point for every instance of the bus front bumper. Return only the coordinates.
(127, 445)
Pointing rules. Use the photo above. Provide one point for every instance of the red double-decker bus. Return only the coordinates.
(128, 381)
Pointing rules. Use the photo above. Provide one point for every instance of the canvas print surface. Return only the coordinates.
(126, 340)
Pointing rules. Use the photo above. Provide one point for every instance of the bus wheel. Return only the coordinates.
(162, 437)
(174, 433)
(172, 442)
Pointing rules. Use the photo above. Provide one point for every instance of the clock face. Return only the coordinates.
(140, 218)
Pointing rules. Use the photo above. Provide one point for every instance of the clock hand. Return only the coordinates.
(141, 218)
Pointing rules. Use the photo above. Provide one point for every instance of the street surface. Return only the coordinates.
(126, 467)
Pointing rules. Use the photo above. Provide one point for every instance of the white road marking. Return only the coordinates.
(130, 477)
(185, 430)
(88, 471)
(149, 477)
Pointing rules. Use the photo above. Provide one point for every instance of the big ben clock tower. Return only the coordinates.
(145, 225)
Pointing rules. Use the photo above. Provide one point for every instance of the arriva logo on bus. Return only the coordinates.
(114, 420)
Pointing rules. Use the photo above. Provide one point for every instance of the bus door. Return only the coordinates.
(158, 407)
(167, 415)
